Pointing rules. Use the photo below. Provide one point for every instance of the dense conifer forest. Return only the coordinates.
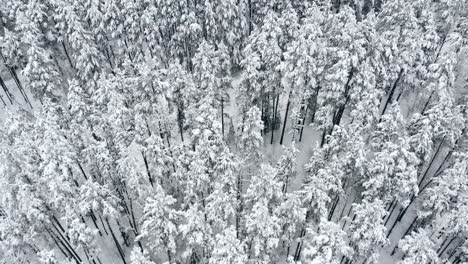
(233, 131)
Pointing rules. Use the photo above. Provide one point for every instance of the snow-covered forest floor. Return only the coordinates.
(323, 132)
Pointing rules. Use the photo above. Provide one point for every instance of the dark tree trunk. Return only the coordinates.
(445, 248)
(18, 84)
(299, 245)
(324, 135)
(117, 244)
(391, 209)
(340, 111)
(250, 16)
(60, 245)
(181, 134)
(222, 116)
(3, 101)
(5, 89)
(82, 171)
(344, 208)
(427, 102)
(147, 170)
(285, 118)
(430, 163)
(273, 123)
(94, 219)
(272, 127)
(67, 55)
(262, 110)
(103, 226)
(392, 91)
(239, 201)
(408, 230)
(334, 204)
(303, 124)
(314, 106)
(66, 243)
(454, 249)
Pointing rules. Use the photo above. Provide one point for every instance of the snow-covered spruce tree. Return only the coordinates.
(45, 168)
(263, 54)
(138, 257)
(224, 22)
(439, 126)
(250, 138)
(291, 213)
(263, 228)
(326, 171)
(197, 235)
(286, 166)
(23, 213)
(445, 191)
(222, 205)
(418, 247)
(211, 76)
(159, 224)
(180, 31)
(103, 22)
(324, 178)
(133, 30)
(398, 30)
(86, 56)
(40, 72)
(303, 58)
(181, 88)
(367, 231)
(341, 60)
(326, 244)
(228, 248)
(392, 171)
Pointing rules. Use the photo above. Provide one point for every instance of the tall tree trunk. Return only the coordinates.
(394, 224)
(262, 114)
(60, 245)
(454, 249)
(67, 244)
(442, 251)
(250, 16)
(117, 244)
(67, 55)
(103, 226)
(273, 126)
(5, 89)
(324, 135)
(392, 91)
(239, 201)
(3, 101)
(303, 123)
(430, 163)
(427, 102)
(94, 219)
(285, 118)
(18, 83)
(413, 198)
(147, 169)
(334, 204)
(340, 111)
(393, 205)
(222, 116)
(315, 102)
(297, 254)
(344, 207)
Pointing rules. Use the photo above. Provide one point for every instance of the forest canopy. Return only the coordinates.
(233, 131)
